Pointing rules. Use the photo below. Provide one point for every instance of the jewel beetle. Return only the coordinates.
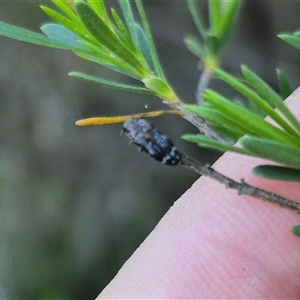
(150, 140)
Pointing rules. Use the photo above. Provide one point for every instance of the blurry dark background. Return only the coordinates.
(76, 202)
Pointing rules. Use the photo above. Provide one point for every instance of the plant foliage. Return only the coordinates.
(124, 44)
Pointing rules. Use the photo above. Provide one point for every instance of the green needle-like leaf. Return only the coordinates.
(146, 28)
(212, 45)
(230, 11)
(63, 35)
(274, 99)
(99, 29)
(215, 16)
(277, 173)
(124, 34)
(145, 48)
(284, 84)
(248, 120)
(197, 17)
(129, 19)
(113, 84)
(296, 231)
(255, 98)
(297, 33)
(290, 39)
(272, 150)
(107, 59)
(66, 10)
(216, 117)
(77, 28)
(160, 88)
(99, 7)
(206, 142)
(28, 36)
(195, 47)
(104, 62)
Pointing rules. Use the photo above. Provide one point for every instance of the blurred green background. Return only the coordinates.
(76, 202)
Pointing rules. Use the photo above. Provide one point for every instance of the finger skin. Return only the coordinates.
(214, 244)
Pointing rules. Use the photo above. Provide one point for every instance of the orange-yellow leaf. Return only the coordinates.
(122, 119)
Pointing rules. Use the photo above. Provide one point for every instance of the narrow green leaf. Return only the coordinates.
(103, 62)
(228, 134)
(99, 7)
(28, 36)
(215, 116)
(66, 10)
(254, 97)
(212, 44)
(77, 28)
(149, 38)
(129, 19)
(262, 87)
(230, 11)
(97, 27)
(215, 16)
(284, 84)
(272, 150)
(145, 48)
(124, 34)
(197, 17)
(63, 35)
(272, 97)
(160, 88)
(113, 84)
(277, 173)
(195, 47)
(296, 230)
(297, 33)
(207, 142)
(248, 120)
(109, 59)
(291, 40)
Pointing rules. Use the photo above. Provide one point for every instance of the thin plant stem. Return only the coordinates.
(203, 83)
(198, 121)
(242, 187)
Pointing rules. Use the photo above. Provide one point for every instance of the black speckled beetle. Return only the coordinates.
(151, 141)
